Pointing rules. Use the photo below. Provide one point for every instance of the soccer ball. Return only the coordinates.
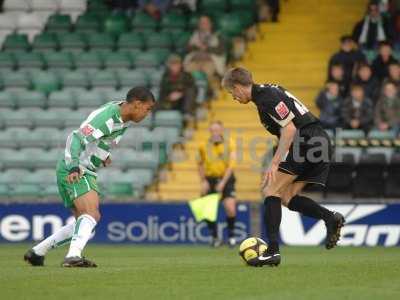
(252, 248)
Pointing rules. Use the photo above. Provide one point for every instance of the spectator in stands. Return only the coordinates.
(155, 8)
(382, 61)
(367, 81)
(337, 75)
(329, 102)
(373, 28)
(394, 74)
(357, 110)
(387, 110)
(206, 50)
(348, 56)
(178, 89)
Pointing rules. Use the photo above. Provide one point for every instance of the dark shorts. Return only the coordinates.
(229, 190)
(309, 155)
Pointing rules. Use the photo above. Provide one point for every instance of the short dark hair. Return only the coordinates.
(356, 86)
(385, 43)
(139, 93)
(237, 76)
(346, 38)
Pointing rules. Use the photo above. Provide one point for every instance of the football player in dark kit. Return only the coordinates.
(302, 157)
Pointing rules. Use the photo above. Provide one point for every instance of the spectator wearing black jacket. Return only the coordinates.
(357, 110)
(329, 102)
(348, 56)
(381, 63)
(367, 81)
(373, 28)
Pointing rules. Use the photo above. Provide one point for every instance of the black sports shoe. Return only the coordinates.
(268, 258)
(78, 262)
(32, 258)
(333, 228)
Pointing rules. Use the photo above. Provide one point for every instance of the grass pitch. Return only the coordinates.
(194, 272)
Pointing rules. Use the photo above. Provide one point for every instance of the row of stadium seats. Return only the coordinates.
(61, 118)
(48, 82)
(354, 138)
(374, 172)
(140, 138)
(85, 60)
(79, 42)
(17, 183)
(44, 5)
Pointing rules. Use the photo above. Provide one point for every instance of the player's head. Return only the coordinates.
(238, 82)
(140, 102)
(216, 131)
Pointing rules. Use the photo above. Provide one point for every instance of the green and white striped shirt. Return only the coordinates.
(88, 146)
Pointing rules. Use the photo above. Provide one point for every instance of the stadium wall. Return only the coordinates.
(170, 223)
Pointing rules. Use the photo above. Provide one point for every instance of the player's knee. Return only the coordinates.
(96, 215)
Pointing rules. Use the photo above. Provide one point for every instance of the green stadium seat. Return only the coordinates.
(210, 6)
(140, 176)
(229, 26)
(87, 23)
(7, 100)
(30, 99)
(17, 79)
(174, 21)
(143, 21)
(16, 118)
(243, 5)
(118, 189)
(41, 177)
(180, 41)
(16, 42)
(38, 138)
(59, 23)
(44, 159)
(117, 60)
(127, 158)
(45, 41)
(8, 137)
(24, 190)
(132, 78)
(15, 159)
(58, 60)
(115, 24)
(75, 118)
(130, 40)
(167, 134)
(148, 59)
(89, 99)
(154, 76)
(246, 17)
(63, 98)
(50, 118)
(350, 134)
(104, 78)
(72, 41)
(50, 191)
(7, 60)
(386, 151)
(12, 175)
(45, 82)
(193, 21)
(88, 60)
(77, 78)
(100, 41)
(381, 135)
(4, 190)
(158, 40)
(29, 60)
(171, 118)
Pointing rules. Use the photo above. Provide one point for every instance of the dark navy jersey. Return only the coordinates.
(277, 107)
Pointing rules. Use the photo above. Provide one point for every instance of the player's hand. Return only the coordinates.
(205, 187)
(220, 187)
(74, 176)
(107, 162)
(270, 174)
